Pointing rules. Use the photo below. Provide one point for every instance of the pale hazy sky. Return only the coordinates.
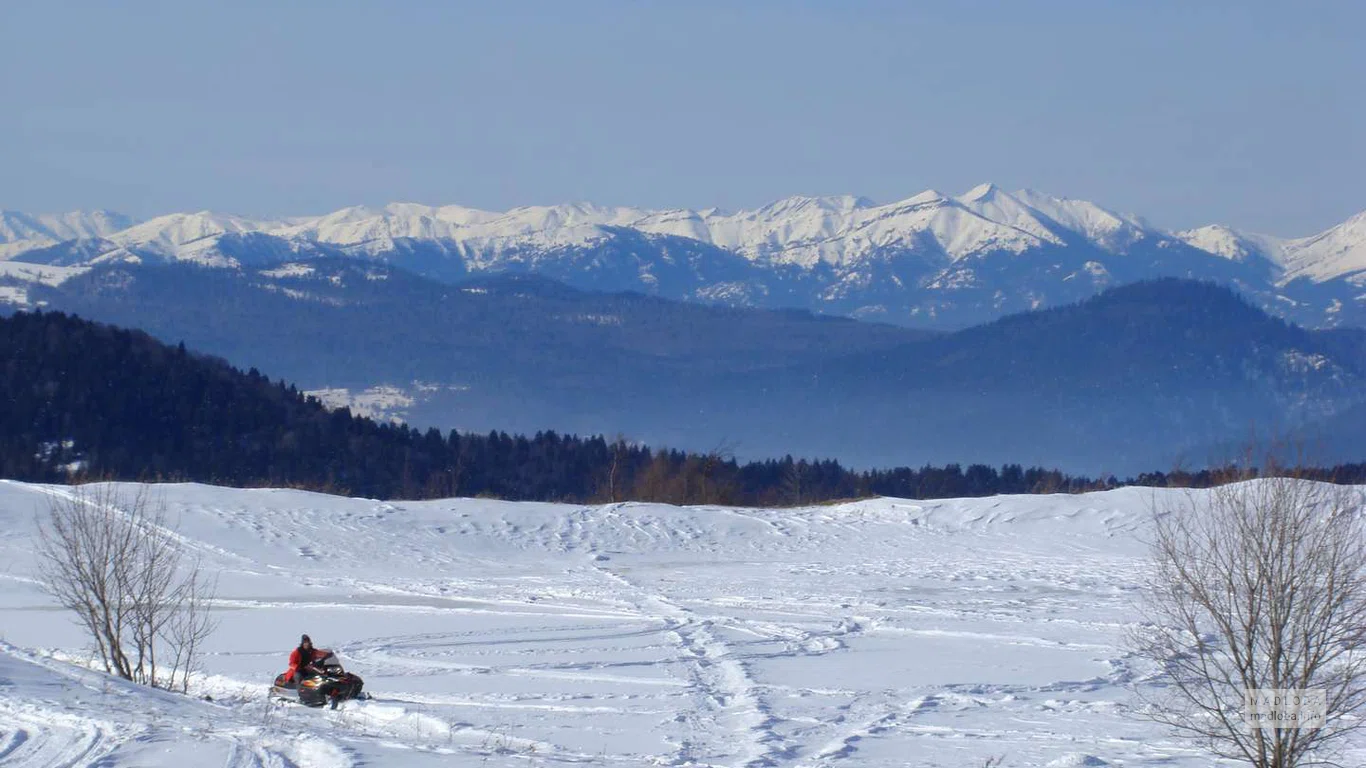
(1192, 112)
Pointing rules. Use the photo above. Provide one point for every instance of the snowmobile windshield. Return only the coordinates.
(328, 661)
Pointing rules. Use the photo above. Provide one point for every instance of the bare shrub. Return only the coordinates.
(1262, 585)
(115, 562)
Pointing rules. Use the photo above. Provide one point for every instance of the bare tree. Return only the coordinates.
(118, 565)
(1262, 585)
(189, 625)
(611, 487)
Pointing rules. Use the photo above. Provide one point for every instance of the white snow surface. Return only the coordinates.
(1234, 245)
(21, 276)
(876, 633)
(842, 231)
(1112, 231)
(21, 232)
(56, 227)
(385, 402)
(1338, 252)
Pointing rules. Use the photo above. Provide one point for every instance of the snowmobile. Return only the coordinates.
(324, 683)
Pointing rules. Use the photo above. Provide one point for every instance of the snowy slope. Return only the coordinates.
(479, 234)
(1111, 231)
(20, 232)
(183, 236)
(1234, 245)
(878, 633)
(1341, 251)
(61, 226)
(1336, 253)
(16, 277)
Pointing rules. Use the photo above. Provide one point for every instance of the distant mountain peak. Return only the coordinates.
(22, 232)
(1336, 252)
(928, 196)
(55, 227)
(981, 192)
(808, 202)
(1232, 244)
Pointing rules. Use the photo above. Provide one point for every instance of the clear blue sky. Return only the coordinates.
(1246, 113)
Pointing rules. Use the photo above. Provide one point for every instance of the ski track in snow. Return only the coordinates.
(880, 633)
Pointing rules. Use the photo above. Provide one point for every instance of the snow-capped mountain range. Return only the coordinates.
(20, 232)
(930, 259)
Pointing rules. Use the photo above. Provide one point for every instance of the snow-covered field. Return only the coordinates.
(878, 633)
(18, 277)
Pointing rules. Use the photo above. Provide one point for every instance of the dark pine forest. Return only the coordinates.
(86, 400)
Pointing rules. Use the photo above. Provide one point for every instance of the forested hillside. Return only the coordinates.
(91, 400)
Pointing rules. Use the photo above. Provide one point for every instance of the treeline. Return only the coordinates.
(88, 400)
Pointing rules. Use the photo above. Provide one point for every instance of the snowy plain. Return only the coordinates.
(875, 633)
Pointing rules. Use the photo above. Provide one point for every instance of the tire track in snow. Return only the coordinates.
(31, 735)
(727, 700)
(48, 726)
(11, 740)
(253, 755)
(845, 747)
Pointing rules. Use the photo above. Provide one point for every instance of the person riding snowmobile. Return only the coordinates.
(301, 660)
(315, 678)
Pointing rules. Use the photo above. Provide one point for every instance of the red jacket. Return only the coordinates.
(295, 662)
